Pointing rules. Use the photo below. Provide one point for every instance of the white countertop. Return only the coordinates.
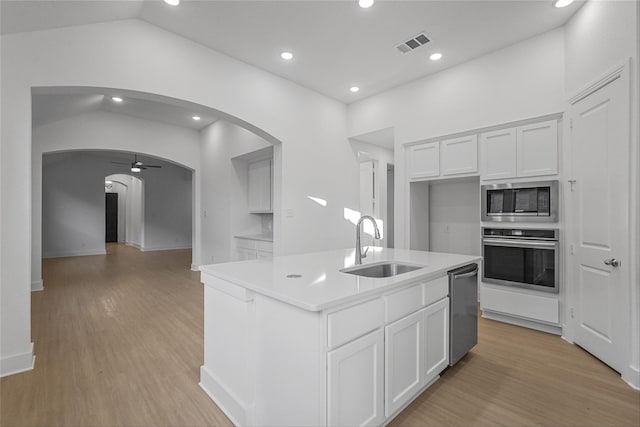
(322, 284)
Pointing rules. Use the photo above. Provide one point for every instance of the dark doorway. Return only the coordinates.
(111, 217)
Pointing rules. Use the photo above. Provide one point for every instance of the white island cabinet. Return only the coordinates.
(295, 341)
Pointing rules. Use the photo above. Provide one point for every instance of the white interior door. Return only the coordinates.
(600, 218)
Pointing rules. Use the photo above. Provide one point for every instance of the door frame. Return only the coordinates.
(630, 372)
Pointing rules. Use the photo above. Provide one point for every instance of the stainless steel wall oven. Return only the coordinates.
(525, 258)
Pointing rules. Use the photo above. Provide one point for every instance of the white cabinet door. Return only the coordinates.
(498, 154)
(424, 160)
(538, 149)
(355, 382)
(404, 361)
(260, 186)
(459, 155)
(436, 330)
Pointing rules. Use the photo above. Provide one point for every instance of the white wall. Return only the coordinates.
(73, 204)
(521, 81)
(167, 208)
(136, 213)
(601, 36)
(454, 217)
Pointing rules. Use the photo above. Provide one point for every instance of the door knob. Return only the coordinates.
(612, 262)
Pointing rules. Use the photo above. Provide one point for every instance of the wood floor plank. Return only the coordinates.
(119, 342)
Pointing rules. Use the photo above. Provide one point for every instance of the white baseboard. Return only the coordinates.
(74, 253)
(195, 267)
(37, 285)
(135, 245)
(164, 248)
(551, 329)
(226, 400)
(17, 363)
(632, 377)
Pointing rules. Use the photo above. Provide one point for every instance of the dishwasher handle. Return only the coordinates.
(471, 273)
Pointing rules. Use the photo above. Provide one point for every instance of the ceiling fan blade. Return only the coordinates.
(151, 166)
(120, 163)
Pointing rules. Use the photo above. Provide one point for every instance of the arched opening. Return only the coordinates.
(75, 119)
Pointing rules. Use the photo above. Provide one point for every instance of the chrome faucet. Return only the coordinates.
(359, 253)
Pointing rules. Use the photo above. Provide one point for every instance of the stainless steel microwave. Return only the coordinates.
(520, 202)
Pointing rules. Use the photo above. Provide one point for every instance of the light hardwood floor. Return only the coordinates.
(118, 340)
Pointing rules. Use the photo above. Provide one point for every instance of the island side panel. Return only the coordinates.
(291, 386)
(228, 373)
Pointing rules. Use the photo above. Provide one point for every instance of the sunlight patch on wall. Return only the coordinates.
(318, 200)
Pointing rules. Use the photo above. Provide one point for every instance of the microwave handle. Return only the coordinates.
(520, 244)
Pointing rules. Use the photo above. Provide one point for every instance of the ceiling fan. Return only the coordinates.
(136, 165)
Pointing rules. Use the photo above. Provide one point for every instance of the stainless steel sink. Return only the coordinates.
(384, 269)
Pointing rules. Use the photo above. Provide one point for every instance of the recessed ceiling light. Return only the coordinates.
(116, 99)
(196, 118)
(108, 182)
(354, 89)
(172, 2)
(287, 56)
(563, 3)
(365, 4)
(436, 56)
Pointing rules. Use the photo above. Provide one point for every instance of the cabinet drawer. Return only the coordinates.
(352, 322)
(520, 304)
(435, 290)
(403, 302)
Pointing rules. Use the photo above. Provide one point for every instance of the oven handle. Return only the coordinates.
(520, 243)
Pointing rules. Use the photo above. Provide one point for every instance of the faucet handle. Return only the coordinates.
(364, 253)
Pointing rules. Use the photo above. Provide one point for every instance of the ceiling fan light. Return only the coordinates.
(135, 169)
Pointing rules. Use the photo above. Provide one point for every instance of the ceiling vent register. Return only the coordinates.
(413, 43)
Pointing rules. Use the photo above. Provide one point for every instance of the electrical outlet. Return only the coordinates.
(447, 228)
(572, 315)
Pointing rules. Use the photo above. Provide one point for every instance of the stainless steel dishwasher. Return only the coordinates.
(463, 311)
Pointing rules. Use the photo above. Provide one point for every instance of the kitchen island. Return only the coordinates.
(300, 340)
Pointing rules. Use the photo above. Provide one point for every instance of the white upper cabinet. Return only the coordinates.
(459, 155)
(260, 186)
(424, 160)
(538, 149)
(443, 159)
(498, 154)
(523, 151)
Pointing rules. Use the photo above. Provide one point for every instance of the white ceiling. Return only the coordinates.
(336, 43)
(49, 106)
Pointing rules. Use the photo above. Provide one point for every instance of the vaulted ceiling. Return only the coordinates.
(336, 44)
